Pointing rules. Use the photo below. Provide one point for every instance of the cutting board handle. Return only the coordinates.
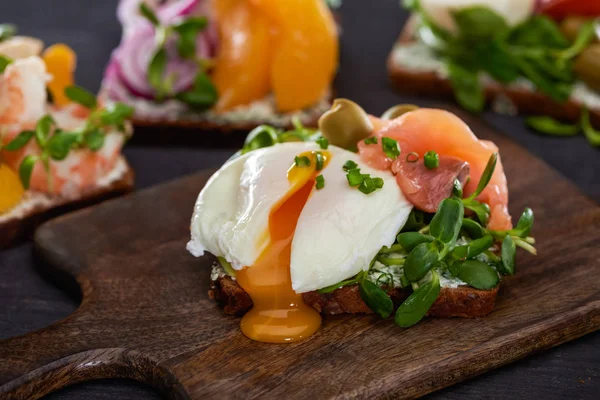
(60, 355)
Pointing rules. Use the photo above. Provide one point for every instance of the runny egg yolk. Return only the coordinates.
(279, 314)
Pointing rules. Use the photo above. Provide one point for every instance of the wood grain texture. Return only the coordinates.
(145, 312)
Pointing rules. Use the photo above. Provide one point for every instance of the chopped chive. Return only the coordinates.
(354, 177)
(371, 140)
(302, 161)
(368, 185)
(350, 165)
(412, 157)
(431, 159)
(378, 182)
(390, 147)
(320, 182)
(320, 160)
(322, 142)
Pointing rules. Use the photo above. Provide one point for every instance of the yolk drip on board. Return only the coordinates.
(279, 314)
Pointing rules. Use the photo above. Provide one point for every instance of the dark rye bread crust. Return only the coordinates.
(526, 101)
(16, 230)
(463, 302)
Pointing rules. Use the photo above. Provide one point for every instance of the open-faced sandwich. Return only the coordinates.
(534, 57)
(365, 215)
(59, 148)
(224, 64)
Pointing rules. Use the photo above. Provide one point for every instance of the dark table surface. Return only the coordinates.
(28, 302)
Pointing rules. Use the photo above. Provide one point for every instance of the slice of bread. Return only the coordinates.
(35, 208)
(413, 77)
(462, 301)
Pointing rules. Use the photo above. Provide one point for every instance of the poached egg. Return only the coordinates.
(263, 214)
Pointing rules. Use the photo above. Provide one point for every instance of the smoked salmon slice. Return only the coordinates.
(426, 129)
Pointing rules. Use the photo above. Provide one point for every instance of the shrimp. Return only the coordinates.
(425, 129)
(22, 104)
(23, 92)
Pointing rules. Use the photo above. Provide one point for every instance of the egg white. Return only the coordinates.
(338, 233)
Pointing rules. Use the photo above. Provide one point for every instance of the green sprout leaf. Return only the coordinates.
(7, 31)
(94, 140)
(259, 137)
(474, 230)
(552, 127)
(81, 96)
(4, 62)
(420, 261)
(148, 13)
(410, 240)
(445, 225)
(188, 31)
(508, 254)
(482, 210)
(203, 94)
(418, 303)
(592, 135)
(467, 87)
(523, 228)
(584, 37)
(26, 169)
(486, 176)
(156, 71)
(60, 144)
(115, 114)
(43, 129)
(376, 298)
(478, 275)
(479, 246)
(20, 141)
(479, 22)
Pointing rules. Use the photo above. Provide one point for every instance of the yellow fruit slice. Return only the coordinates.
(11, 189)
(241, 72)
(60, 62)
(306, 51)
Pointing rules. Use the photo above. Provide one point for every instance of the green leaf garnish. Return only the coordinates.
(354, 177)
(390, 147)
(4, 62)
(376, 298)
(508, 254)
(188, 31)
(95, 140)
(420, 261)
(81, 96)
(26, 169)
(431, 159)
(410, 240)
(467, 87)
(592, 135)
(203, 94)
(523, 228)
(259, 137)
(551, 126)
(486, 176)
(156, 71)
(148, 13)
(478, 275)
(371, 140)
(320, 182)
(7, 31)
(479, 22)
(19, 141)
(60, 144)
(445, 225)
(474, 229)
(418, 303)
(43, 129)
(585, 35)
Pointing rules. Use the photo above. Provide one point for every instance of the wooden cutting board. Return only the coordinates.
(145, 313)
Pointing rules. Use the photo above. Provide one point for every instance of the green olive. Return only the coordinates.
(571, 25)
(345, 124)
(587, 66)
(398, 110)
